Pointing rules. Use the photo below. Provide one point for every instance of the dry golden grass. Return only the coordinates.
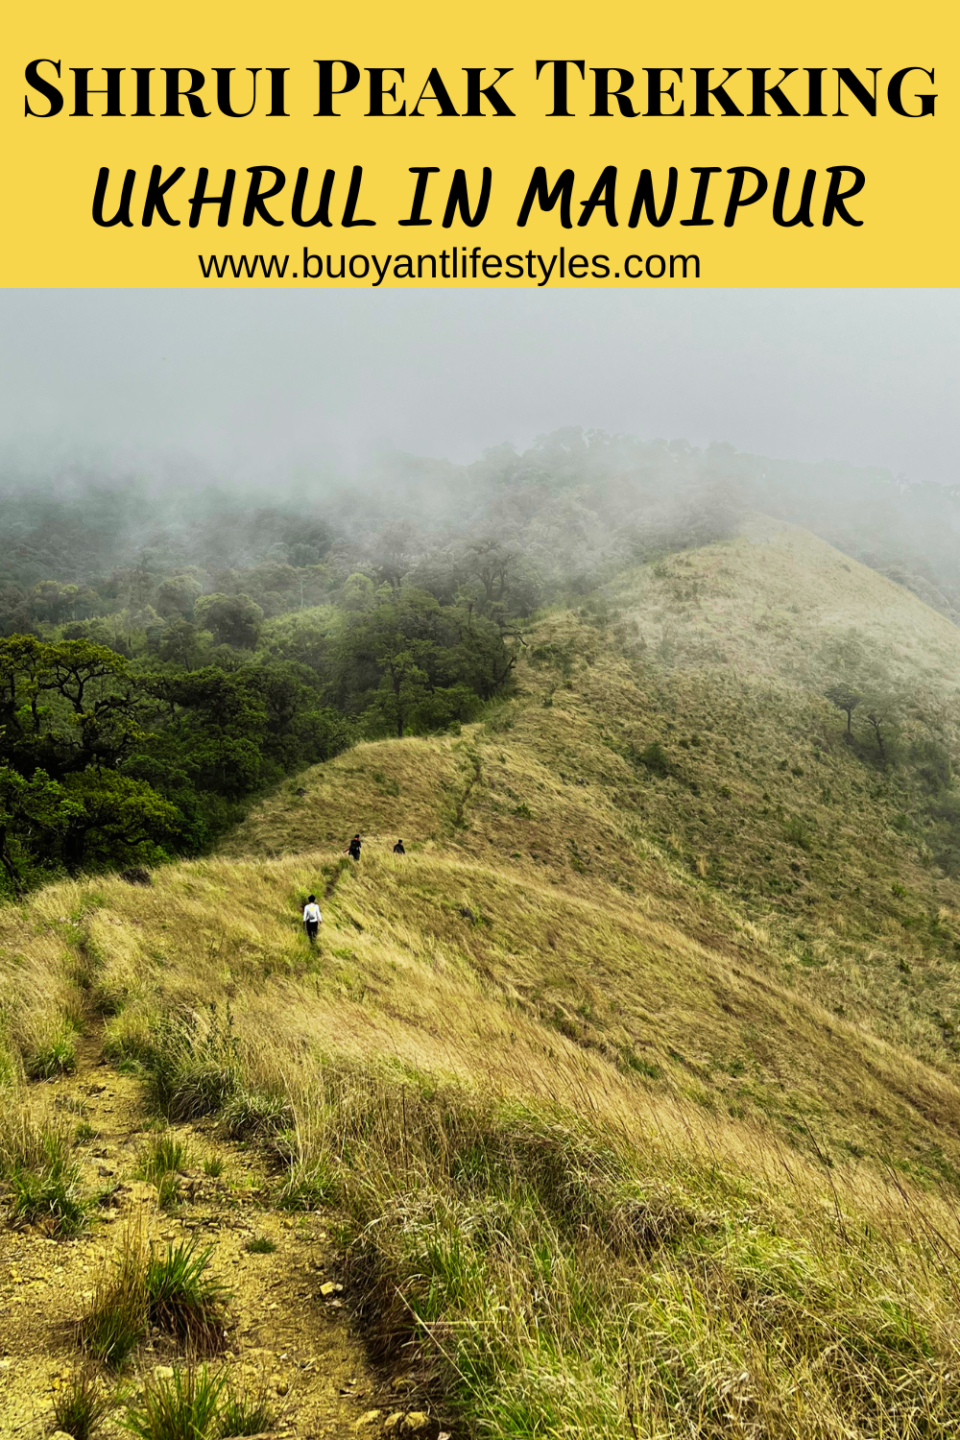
(637, 1114)
(496, 977)
(767, 838)
(769, 599)
(696, 1264)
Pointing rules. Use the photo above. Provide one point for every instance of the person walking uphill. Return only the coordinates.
(312, 919)
(353, 849)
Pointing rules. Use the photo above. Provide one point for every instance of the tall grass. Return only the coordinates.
(39, 1172)
(559, 1280)
(81, 1407)
(192, 1070)
(172, 1289)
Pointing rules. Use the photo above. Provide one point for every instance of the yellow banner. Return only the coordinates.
(501, 146)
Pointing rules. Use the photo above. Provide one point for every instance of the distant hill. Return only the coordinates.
(776, 600)
(568, 512)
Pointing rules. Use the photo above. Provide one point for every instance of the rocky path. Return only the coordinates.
(289, 1336)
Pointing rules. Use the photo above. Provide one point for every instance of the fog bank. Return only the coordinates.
(267, 385)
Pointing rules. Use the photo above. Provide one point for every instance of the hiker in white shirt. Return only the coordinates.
(312, 918)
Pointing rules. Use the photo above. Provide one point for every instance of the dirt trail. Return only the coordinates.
(289, 1333)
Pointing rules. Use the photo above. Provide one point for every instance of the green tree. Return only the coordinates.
(89, 821)
(233, 619)
(390, 655)
(846, 698)
(306, 636)
(66, 705)
(180, 645)
(177, 596)
(358, 592)
(110, 819)
(32, 821)
(411, 663)
(212, 729)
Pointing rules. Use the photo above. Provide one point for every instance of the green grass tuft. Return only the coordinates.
(118, 1320)
(195, 1404)
(169, 1191)
(184, 1299)
(309, 1185)
(244, 1414)
(165, 1154)
(40, 1176)
(80, 1408)
(184, 1406)
(251, 1114)
(162, 1161)
(172, 1290)
(260, 1245)
(54, 1053)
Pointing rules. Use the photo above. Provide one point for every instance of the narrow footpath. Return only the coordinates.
(289, 1337)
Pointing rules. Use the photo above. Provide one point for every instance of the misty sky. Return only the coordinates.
(262, 384)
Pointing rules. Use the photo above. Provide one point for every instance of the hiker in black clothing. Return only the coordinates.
(353, 849)
(398, 848)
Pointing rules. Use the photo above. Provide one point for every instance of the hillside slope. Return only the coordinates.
(772, 599)
(480, 1075)
(631, 1088)
(718, 793)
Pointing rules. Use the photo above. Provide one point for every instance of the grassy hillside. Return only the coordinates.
(517, 1103)
(714, 790)
(772, 600)
(632, 1087)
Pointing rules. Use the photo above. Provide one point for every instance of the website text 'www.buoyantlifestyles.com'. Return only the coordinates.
(457, 263)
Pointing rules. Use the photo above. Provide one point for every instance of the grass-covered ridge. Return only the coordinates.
(631, 1088)
(575, 1237)
(718, 789)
